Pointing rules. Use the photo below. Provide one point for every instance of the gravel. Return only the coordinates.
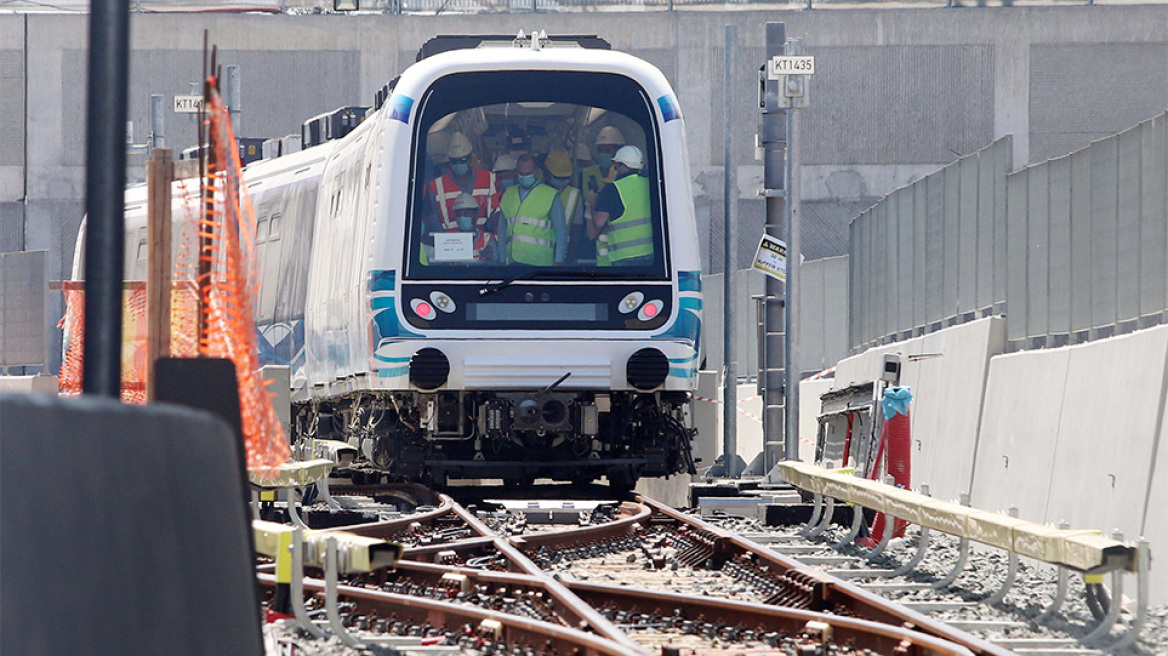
(1035, 586)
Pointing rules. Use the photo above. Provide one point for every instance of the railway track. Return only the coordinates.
(639, 577)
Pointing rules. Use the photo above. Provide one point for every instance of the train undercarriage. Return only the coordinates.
(517, 436)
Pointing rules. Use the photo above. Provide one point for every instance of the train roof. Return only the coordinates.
(414, 81)
(447, 42)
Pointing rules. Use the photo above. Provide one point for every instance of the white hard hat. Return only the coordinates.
(631, 157)
(582, 152)
(465, 201)
(505, 162)
(459, 146)
(610, 136)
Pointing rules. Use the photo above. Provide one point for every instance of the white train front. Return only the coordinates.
(438, 360)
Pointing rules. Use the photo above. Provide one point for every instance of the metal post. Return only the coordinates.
(157, 123)
(774, 140)
(794, 255)
(233, 87)
(730, 261)
(105, 182)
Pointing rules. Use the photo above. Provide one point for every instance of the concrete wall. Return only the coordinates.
(946, 371)
(898, 92)
(1074, 434)
(823, 316)
(1064, 434)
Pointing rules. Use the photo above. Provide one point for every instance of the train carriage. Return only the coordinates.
(439, 359)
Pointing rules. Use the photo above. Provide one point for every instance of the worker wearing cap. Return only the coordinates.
(532, 229)
(462, 177)
(559, 167)
(621, 222)
(467, 214)
(583, 162)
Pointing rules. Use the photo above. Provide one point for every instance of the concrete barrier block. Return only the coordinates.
(750, 437)
(707, 418)
(37, 384)
(809, 407)
(1107, 432)
(947, 373)
(948, 378)
(1152, 525)
(1019, 432)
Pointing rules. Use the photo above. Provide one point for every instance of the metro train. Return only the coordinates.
(437, 364)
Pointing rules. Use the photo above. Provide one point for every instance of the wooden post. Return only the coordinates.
(159, 176)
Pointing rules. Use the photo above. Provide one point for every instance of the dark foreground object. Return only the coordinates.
(122, 531)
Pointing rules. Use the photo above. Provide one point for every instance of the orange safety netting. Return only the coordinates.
(229, 228)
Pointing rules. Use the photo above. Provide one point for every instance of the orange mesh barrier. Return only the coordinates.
(231, 331)
(227, 305)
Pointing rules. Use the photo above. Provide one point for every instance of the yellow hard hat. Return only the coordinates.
(558, 163)
(459, 146)
(610, 136)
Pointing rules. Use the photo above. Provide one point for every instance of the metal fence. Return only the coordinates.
(1087, 241)
(1071, 249)
(933, 253)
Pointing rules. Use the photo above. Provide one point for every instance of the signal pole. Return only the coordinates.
(784, 83)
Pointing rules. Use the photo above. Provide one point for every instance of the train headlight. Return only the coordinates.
(443, 302)
(631, 302)
(423, 309)
(650, 310)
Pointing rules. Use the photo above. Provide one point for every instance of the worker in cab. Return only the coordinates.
(532, 226)
(437, 161)
(467, 212)
(621, 221)
(560, 177)
(583, 162)
(463, 177)
(596, 176)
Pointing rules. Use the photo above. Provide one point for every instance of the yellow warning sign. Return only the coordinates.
(771, 257)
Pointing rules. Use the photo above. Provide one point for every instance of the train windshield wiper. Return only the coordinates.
(535, 274)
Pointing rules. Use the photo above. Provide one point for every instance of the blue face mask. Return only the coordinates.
(527, 181)
(558, 183)
(465, 223)
(605, 161)
(459, 169)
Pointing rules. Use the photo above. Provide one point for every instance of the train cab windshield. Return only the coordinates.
(526, 174)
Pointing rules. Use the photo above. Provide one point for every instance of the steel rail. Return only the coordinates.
(635, 517)
(438, 576)
(589, 616)
(861, 633)
(864, 634)
(833, 593)
(513, 629)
